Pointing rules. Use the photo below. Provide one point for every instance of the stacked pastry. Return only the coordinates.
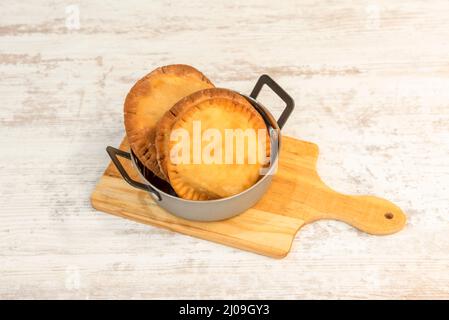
(179, 98)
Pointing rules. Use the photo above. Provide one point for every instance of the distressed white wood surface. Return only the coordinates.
(371, 81)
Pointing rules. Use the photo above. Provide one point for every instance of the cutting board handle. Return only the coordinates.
(367, 213)
(310, 199)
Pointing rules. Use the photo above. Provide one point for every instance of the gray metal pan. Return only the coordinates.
(220, 209)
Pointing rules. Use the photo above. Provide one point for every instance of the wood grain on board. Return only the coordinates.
(297, 196)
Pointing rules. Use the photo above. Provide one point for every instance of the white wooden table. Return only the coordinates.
(371, 82)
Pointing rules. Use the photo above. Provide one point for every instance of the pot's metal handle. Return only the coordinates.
(290, 104)
(113, 153)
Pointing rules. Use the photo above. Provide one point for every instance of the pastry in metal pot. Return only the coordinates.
(147, 102)
(165, 124)
(217, 146)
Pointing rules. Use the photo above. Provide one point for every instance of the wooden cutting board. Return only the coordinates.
(296, 197)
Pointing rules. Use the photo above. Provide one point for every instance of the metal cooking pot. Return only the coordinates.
(213, 210)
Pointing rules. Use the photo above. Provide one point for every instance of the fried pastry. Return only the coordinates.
(147, 102)
(214, 116)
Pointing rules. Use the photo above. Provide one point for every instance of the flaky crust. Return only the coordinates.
(149, 99)
(220, 109)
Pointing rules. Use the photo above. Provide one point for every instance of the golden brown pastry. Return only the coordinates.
(219, 110)
(147, 102)
(165, 124)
